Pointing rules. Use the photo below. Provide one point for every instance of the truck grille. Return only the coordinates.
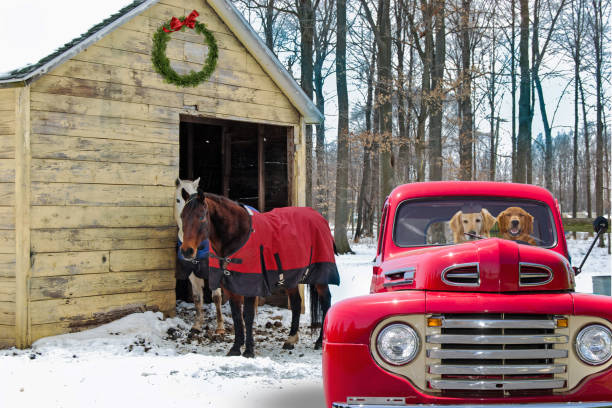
(496, 355)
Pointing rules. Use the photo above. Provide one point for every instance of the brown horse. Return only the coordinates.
(251, 253)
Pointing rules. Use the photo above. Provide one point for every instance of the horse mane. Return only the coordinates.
(221, 199)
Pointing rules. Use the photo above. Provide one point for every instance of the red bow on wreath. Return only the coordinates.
(176, 24)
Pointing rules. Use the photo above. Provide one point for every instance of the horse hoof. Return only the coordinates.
(248, 354)
(233, 352)
(288, 346)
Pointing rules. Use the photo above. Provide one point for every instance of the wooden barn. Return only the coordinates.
(91, 142)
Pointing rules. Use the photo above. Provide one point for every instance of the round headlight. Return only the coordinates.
(397, 344)
(594, 344)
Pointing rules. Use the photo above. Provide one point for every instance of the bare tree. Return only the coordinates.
(598, 11)
(587, 143)
(340, 218)
(573, 25)
(438, 93)
(466, 135)
(382, 34)
(323, 37)
(538, 53)
(523, 145)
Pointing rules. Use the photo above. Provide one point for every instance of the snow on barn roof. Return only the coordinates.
(224, 9)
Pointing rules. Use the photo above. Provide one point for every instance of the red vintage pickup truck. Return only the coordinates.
(472, 302)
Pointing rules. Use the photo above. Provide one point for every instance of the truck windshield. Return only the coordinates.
(443, 221)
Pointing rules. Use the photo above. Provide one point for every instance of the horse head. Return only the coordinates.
(196, 223)
(190, 187)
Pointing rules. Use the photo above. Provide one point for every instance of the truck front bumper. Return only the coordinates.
(385, 403)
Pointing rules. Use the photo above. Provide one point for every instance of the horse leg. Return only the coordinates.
(296, 307)
(249, 316)
(197, 285)
(236, 306)
(325, 302)
(217, 298)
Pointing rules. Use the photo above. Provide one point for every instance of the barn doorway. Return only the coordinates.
(246, 162)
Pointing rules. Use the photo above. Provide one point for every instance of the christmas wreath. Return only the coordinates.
(161, 62)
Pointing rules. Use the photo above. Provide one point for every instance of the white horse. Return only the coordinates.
(197, 284)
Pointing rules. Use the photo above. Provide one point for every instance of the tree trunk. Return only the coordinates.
(587, 154)
(405, 150)
(437, 94)
(386, 108)
(466, 137)
(491, 96)
(575, 149)
(402, 114)
(340, 218)
(547, 134)
(307, 20)
(362, 205)
(523, 151)
(513, 90)
(269, 25)
(598, 47)
(321, 184)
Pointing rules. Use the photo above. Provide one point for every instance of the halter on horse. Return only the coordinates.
(252, 253)
(197, 268)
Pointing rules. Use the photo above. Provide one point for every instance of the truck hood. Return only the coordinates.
(488, 265)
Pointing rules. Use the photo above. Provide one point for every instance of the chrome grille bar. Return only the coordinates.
(496, 369)
(534, 275)
(397, 283)
(462, 275)
(496, 384)
(497, 354)
(497, 324)
(496, 339)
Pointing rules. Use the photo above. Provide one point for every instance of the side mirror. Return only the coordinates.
(600, 224)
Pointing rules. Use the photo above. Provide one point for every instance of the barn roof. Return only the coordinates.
(224, 9)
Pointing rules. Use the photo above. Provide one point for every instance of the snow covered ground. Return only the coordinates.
(144, 360)
(597, 264)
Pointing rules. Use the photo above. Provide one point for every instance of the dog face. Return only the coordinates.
(479, 223)
(514, 222)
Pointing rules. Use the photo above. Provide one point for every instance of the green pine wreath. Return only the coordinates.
(162, 64)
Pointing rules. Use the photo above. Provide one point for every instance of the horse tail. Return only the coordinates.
(335, 249)
(316, 315)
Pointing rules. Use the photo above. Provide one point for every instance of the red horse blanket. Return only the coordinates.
(288, 245)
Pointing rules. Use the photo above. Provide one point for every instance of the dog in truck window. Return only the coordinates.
(471, 222)
(516, 224)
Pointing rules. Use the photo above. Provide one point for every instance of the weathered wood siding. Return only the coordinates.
(104, 157)
(7, 216)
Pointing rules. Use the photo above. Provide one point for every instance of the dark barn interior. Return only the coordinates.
(246, 162)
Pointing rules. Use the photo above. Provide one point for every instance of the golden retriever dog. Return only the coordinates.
(516, 224)
(477, 223)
